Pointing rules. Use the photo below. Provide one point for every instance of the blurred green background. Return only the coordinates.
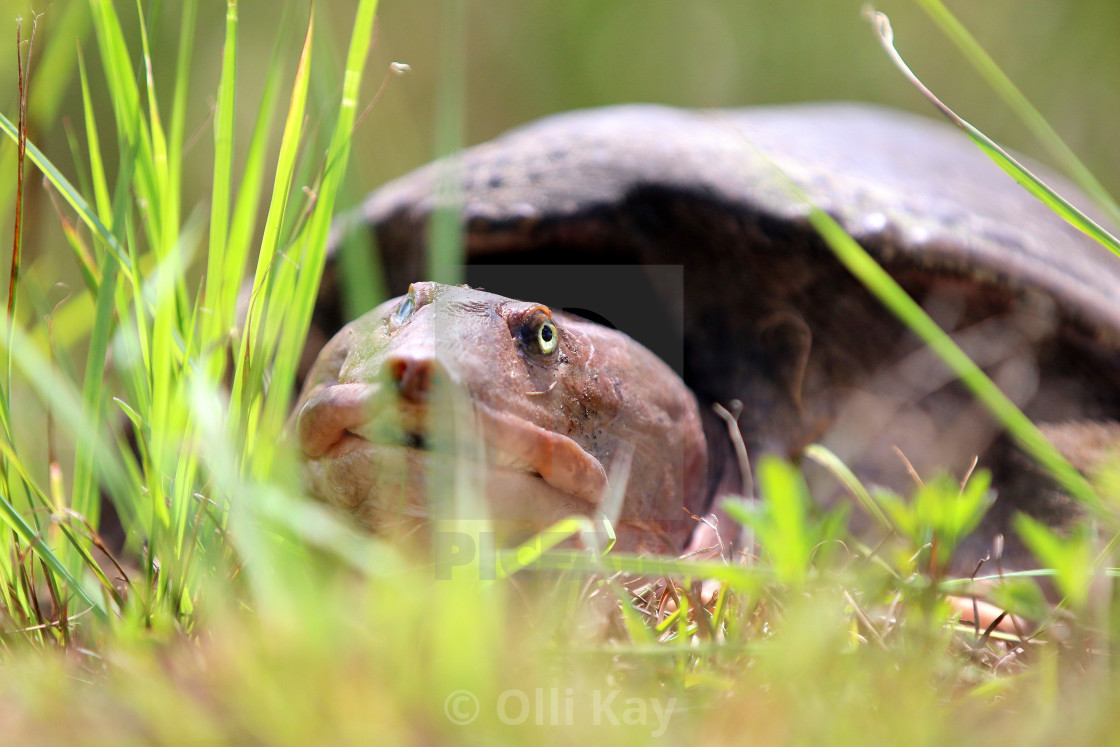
(527, 58)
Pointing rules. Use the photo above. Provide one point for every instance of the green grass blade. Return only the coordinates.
(159, 141)
(891, 294)
(15, 522)
(445, 248)
(245, 208)
(93, 142)
(314, 236)
(851, 483)
(114, 56)
(219, 274)
(251, 357)
(85, 497)
(71, 195)
(528, 553)
(179, 106)
(1012, 167)
(132, 130)
(1018, 103)
(82, 423)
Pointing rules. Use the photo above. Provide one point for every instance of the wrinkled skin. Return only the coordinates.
(543, 412)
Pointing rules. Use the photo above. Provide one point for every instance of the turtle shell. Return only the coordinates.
(907, 187)
(749, 303)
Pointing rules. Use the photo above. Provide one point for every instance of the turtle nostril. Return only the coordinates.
(412, 375)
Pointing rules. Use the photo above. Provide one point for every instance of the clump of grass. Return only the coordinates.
(160, 343)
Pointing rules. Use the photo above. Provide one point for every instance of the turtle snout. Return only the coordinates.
(411, 373)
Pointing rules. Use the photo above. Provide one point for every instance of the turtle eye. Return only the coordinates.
(548, 337)
(537, 333)
(404, 311)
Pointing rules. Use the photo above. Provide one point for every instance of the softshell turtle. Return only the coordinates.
(548, 405)
(763, 313)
